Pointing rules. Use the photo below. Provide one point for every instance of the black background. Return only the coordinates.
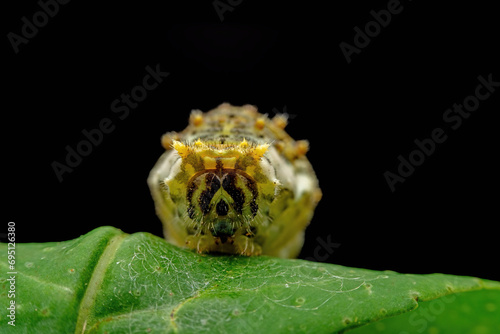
(358, 117)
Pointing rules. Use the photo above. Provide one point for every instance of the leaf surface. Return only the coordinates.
(111, 282)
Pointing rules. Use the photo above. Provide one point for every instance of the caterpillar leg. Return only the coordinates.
(201, 243)
(246, 246)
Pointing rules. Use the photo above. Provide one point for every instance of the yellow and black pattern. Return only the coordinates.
(235, 182)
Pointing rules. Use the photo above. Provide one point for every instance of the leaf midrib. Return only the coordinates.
(95, 281)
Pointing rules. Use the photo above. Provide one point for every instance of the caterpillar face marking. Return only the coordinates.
(235, 182)
(223, 199)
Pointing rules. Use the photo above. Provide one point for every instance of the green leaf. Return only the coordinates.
(111, 282)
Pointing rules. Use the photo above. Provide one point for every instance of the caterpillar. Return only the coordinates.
(235, 182)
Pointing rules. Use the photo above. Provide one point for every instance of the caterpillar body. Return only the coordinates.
(235, 182)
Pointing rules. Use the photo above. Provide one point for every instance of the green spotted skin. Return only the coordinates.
(235, 182)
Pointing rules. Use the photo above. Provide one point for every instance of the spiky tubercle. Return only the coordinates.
(217, 155)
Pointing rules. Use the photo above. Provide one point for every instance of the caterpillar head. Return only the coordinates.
(220, 189)
(223, 199)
